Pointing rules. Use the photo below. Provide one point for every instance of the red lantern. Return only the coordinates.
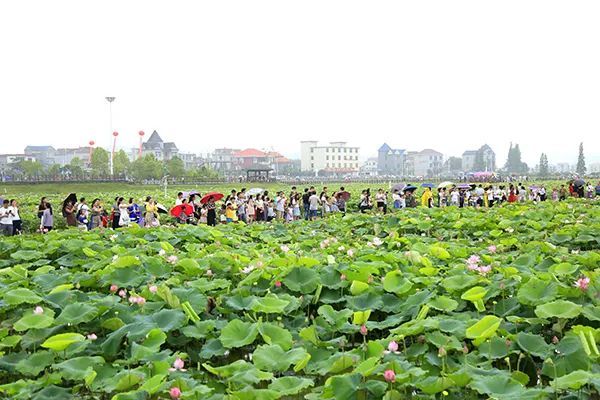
(141, 133)
(92, 143)
(115, 133)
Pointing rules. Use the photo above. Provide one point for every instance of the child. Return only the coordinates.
(270, 211)
(289, 213)
(82, 220)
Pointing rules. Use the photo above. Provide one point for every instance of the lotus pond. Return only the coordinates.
(428, 303)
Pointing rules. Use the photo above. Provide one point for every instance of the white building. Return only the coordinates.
(336, 157)
(425, 163)
(370, 167)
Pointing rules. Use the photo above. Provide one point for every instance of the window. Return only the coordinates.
(339, 165)
(327, 157)
(327, 165)
(327, 150)
(345, 150)
(312, 158)
(312, 149)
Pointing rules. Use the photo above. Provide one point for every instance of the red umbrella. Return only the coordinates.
(182, 208)
(214, 195)
(344, 195)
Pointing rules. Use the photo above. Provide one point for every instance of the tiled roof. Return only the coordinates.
(250, 153)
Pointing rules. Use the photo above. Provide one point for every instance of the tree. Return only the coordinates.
(175, 167)
(479, 163)
(543, 168)
(99, 164)
(453, 164)
(121, 163)
(147, 167)
(75, 167)
(53, 171)
(514, 165)
(30, 169)
(581, 169)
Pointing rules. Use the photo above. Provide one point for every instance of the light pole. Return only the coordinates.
(141, 134)
(112, 153)
(110, 101)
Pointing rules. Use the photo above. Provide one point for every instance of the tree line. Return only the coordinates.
(144, 168)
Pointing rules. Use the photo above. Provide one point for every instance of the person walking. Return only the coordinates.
(16, 218)
(47, 222)
(6, 224)
(69, 213)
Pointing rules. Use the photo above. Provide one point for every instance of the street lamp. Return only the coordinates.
(112, 154)
(141, 134)
(110, 101)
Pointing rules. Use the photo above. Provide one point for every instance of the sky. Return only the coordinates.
(447, 75)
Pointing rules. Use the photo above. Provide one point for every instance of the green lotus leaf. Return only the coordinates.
(34, 321)
(273, 358)
(237, 333)
(474, 294)
(77, 313)
(534, 344)
(396, 283)
(269, 304)
(483, 329)
(21, 295)
(273, 334)
(35, 363)
(443, 303)
(78, 368)
(289, 385)
(575, 380)
(358, 287)
(303, 280)
(558, 309)
(63, 340)
(536, 291)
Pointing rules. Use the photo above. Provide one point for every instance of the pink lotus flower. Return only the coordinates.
(209, 273)
(363, 330)
(248, 269)
(285, 248)
(485, 269)
(350, 253)
(178, 365)
(122, 293)
(175, 392)
(472, 267)
(555, 340)
(153, 289)
(442, 352)
(342, 277)
(492, 248)
(162, 252)
(141, 301)
(38, 310)
(114, 288)
(393, 347)
(278, 284)
(341, 248)
(92, 336)
(377, 241)
(474, 259)
(582, 283)
(172, 259)
(389, 375)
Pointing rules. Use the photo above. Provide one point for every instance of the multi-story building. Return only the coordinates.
(424, 163)
(163, 151)
(43, 154)
(9, 161)
(390, 161)
(337, 157)
(222, 160)
(370, 167)
(65, 156)
(481, 160)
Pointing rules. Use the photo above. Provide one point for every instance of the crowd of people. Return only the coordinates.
(257, 205)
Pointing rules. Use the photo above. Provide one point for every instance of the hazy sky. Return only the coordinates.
(448, 75)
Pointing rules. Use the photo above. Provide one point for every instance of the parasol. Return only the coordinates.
(344, 195)
(182, 209)
(215, 196)
(410, 188)
(399, 186)
(427, 185)
(445, 184)
(255, 191)
(162, 209)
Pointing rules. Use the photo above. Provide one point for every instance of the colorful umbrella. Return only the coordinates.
(464, 186)
(410, 188)
(445, 184)
(255, 191)
(579, 182)
(399, 186)
(186, 209)
(215, 196)
(344, 195)
(427, 185)
(162, 209)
